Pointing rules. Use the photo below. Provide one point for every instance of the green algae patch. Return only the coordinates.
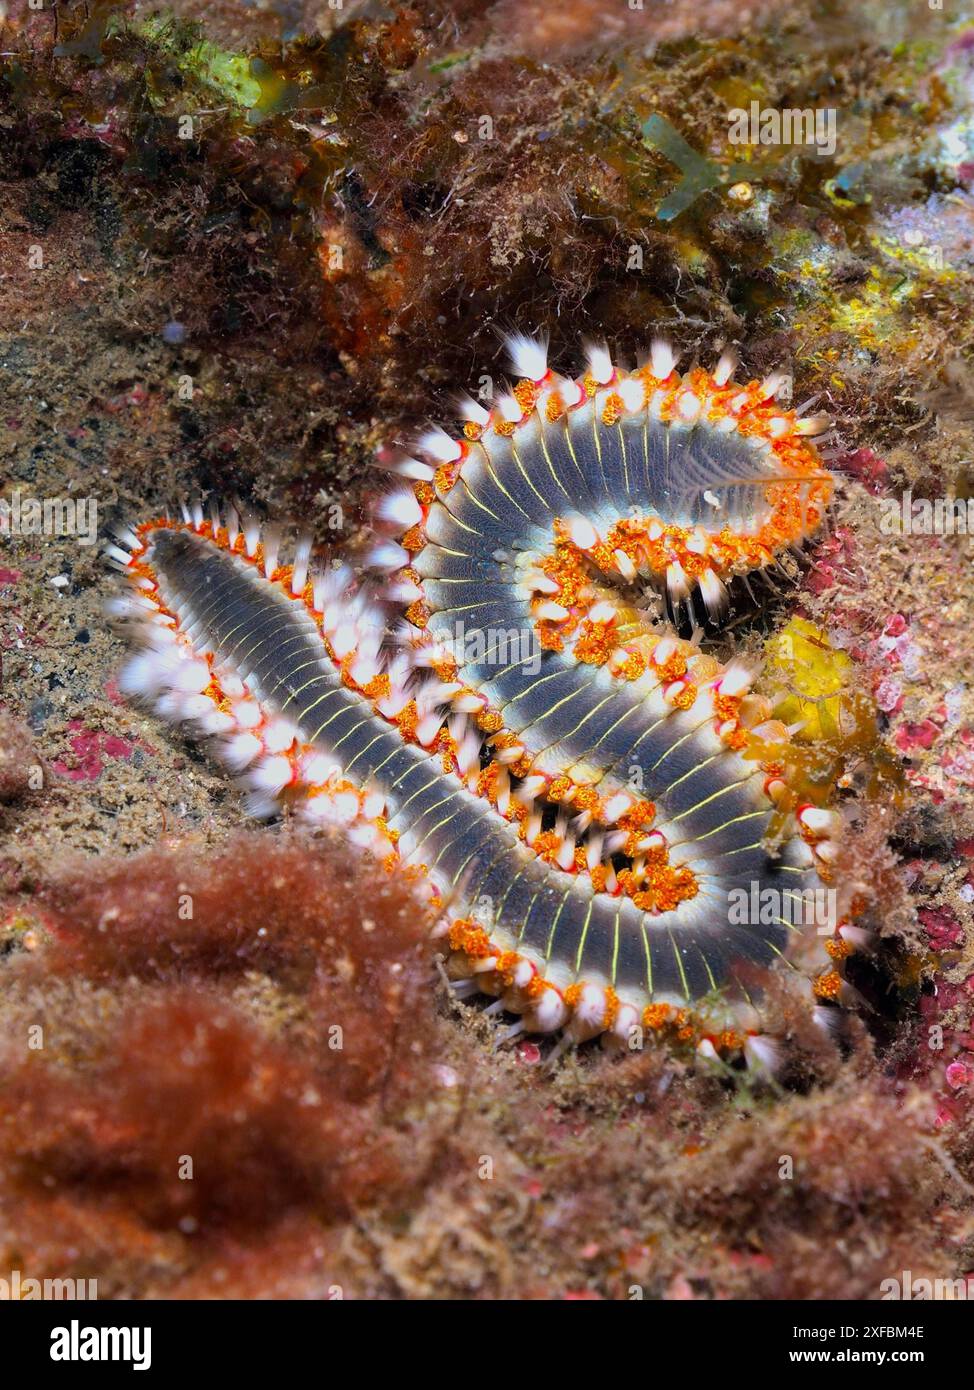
(227, 74)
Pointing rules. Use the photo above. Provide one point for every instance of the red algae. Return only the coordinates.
(143, 1106)
(89, 748)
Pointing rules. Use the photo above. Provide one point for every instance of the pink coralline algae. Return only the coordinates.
(942, 928)
(889, 695)
(959, 763)
(897, 647)
(960, 1074)
(866, 467)
(922, 735)
(833, 559)
(88, 748)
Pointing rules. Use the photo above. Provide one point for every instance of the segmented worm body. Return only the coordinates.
(493, 707)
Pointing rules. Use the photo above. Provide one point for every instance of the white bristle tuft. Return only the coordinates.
(600, 364)
(400, 509)
(503, 785)
(513, 754)
(240, 751)
(231, 685)
(216, 721)
(144, 674)
(302, 554)
(540, 583)
(198, 707)
(279, 736)
(127, 537)
(346, 806)
(817, 821)
(413, 469)
(829, 1019)
(387, 556)
(677, 584)
(572, 392)
(858, 937)
(661, 359)
(551, 612)
(251, 531)
(171, 706)
(364, 668)
(714, 593)
(127, 606)
(247, 714)
(271, 775)
(616, 806)
(468, 752)
(470, 702)
(582, 533)
(472, 410)
(529, 356)
(344, 640)
(813, 424)
(318, 769)
(565, 857)
(772, 384)
(726, 367)
(624, 564)
(736, 680)
(530, 788)
(763, 1053)
(438, 444)
(404, 592)
(191, 677)
(428, 728)
(319, 591)
(261, 805)
(272, 549)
